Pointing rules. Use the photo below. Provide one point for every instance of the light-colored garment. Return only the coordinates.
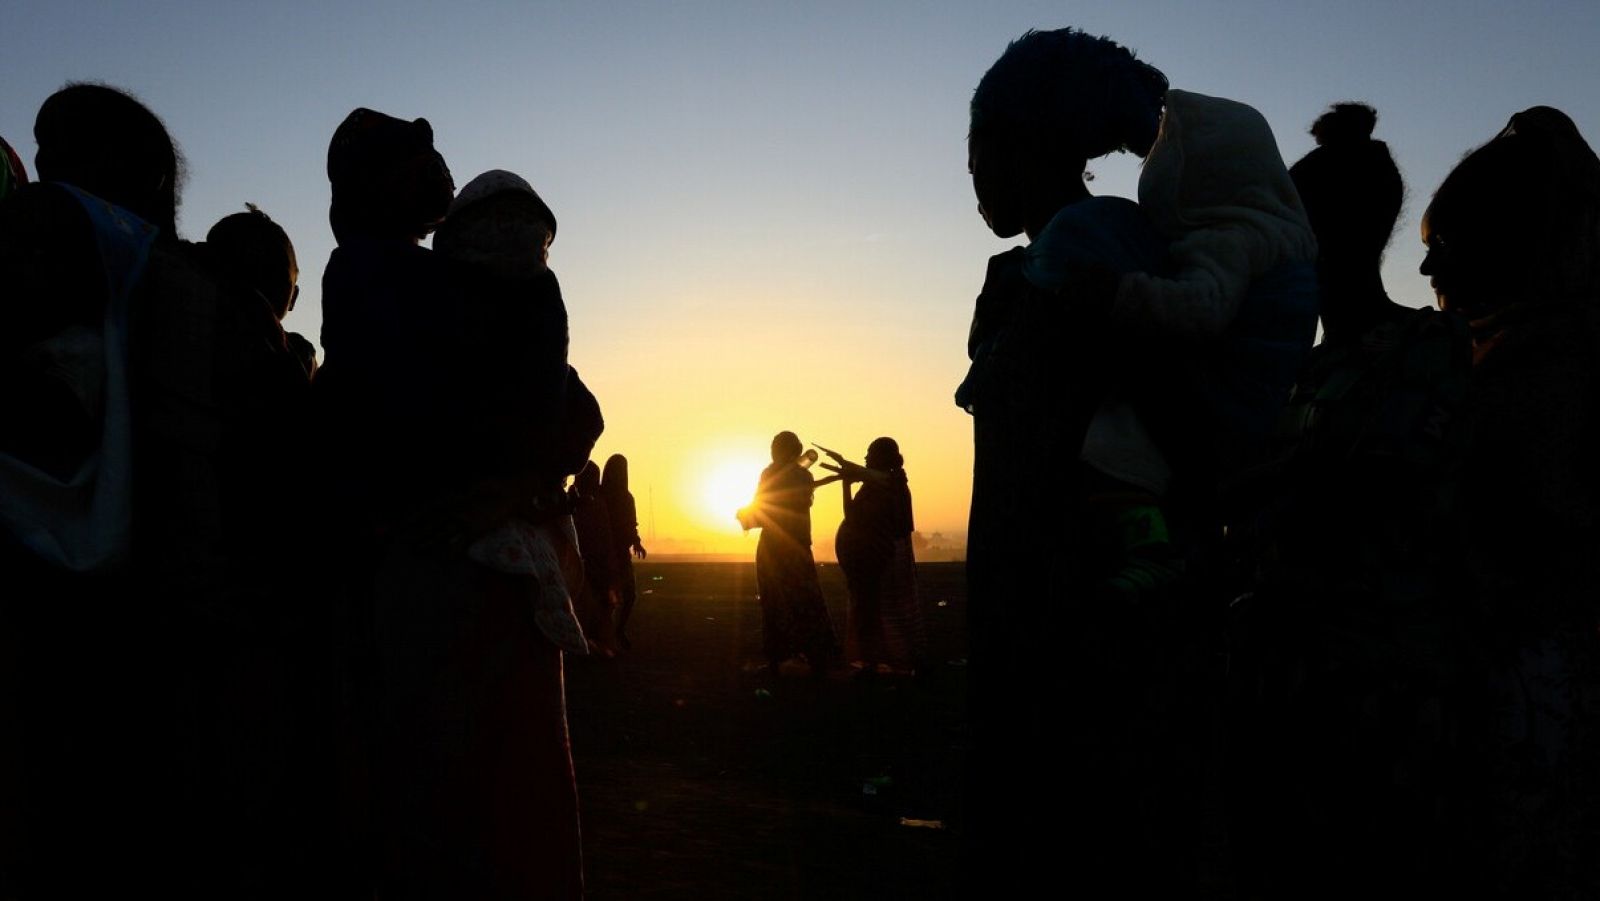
(1216, 186)
(84, 522)
(549, 554)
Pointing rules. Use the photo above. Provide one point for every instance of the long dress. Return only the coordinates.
(458, 699)
(624, 536)
(794, 617)
(874, 548)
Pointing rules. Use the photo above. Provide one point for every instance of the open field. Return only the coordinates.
(700, 779)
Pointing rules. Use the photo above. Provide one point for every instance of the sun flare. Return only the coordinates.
(726, 483)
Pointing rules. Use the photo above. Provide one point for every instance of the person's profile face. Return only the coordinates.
(997, 181)
(1471, 265)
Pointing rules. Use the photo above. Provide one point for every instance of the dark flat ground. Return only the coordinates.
(701, 779)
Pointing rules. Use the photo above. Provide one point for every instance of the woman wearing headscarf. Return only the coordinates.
(1513, 237)
(461, 706)
(625, 540)
(794, 617)
(874, 548)
(591, 516)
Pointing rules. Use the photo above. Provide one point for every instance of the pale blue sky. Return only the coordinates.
(760, 197)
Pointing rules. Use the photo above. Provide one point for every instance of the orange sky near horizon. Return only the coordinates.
(696, 442)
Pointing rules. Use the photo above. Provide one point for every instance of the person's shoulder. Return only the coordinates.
(43, 207)
(45, 224)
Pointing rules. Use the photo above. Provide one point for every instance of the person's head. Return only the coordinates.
(1518, 219)
(388, 181)
(1053, 101)
(103, 141)
(1351, 188)
(786, 447)
(884, 454)
(588, 481)
(615, 477)
(255, 251)
(498, 220)
(13, 174)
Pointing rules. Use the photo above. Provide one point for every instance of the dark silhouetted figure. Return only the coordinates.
(597, 605)
(1513, 237)
(255, 254)
(625, 540)
(874, 548)
(170, 712)
(1034, 385)
(794, 618)
(1346, 649)
(499, 232)
(460, 720)
(1125, 362)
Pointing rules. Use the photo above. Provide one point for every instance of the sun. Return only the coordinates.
(726, 482)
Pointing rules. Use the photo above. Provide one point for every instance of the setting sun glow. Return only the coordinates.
(726, 483)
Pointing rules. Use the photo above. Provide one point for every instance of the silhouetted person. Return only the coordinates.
(597, 606)
(467, 748)
(1124, 362)
(1031, 391)
(1345, 651)
(874, 548)
(1352, 193)
(188, 721)
(794, 617)
(625, 541)
(499, 231)
(1513, 238)
(255, 254)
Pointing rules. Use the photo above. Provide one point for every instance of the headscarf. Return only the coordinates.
(387, 179)
(588, 482)
(500, 221)
(496, 182)
(786, 448)
(615, 478)
(884, 453)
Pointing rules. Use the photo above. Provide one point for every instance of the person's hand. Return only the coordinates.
(639, 551)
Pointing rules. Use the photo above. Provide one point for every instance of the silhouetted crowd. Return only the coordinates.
(274, 628)
(1261, 618)
(1249, 613)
